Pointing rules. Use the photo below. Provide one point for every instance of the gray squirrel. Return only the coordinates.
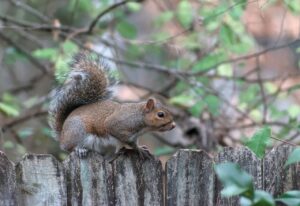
(83, 116)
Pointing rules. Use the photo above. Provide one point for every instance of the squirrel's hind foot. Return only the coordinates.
(113, 157)
(144, 152)
(81, 152)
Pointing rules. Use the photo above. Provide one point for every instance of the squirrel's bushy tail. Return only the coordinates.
(87, 82)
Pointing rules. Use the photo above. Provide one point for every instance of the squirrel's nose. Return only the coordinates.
(173, 125)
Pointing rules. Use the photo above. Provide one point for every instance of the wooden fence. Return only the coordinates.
(189, 179)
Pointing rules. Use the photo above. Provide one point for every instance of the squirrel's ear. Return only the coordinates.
(150, 105)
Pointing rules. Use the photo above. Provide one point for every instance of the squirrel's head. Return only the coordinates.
(157, 117)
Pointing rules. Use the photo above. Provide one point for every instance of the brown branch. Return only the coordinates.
(27, 86)
(30, 10)
(22, 119)
(112, 7)
(90, 28)
(195, 84)
(284, 141)
(247, 80)
(262, 91)
(255, 124)
(30, 26)
(23, 51)
(270, 97)
(162, 41)
(176, 72)
(245, 57)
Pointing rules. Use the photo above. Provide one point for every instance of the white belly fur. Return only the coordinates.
(103, 145)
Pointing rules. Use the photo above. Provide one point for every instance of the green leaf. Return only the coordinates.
(126, 30)
(8, 98)
(248, 95)
(235, 180)
(227, 35)
(208, 62)
(290, 198)
(70, 47)
(256, 115)
(61, 69)
(25, 133)
(191, 41)
(185, 13)
(197, 108)
(244, 201)
(134, 6)
(294, 111)
(213, 104)
(259, 140)
(8, 144)
(237, 11)
(293, 88)
(262, 198)
(12, 55)
(164, 18)
(47, 131)
(80, 6)
(293, 6)
(164, 150)
(183, 100)
(293, 157)
(225, 70)
(47, 53)
(9, 109)
(270, 87)
(21, 149)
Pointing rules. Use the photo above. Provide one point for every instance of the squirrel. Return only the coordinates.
(84, 117)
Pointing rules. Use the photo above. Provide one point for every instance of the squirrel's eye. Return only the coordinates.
(160, 114)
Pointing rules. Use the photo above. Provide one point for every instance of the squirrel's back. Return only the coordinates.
(87, 82)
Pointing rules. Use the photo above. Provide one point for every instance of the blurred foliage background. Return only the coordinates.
(225, 67)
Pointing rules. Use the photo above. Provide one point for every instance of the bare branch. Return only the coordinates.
(24, 118)
(112, 7)
(30, 26)
(262, 91)
(253, 55)
(25, 52)
(30, 10)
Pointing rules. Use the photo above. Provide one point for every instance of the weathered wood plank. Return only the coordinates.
(7, 182)
(41, 181)
(276, 178)
(129, 180)
(190, 179)
(89, 180)
(137, 181)
(247, 161)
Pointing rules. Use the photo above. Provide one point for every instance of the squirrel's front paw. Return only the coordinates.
(81, 152)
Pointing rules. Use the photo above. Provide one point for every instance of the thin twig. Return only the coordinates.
(283, 141)
(27, 54)
(262, 91)
(34, 26)
(245, 57)
(95, 21)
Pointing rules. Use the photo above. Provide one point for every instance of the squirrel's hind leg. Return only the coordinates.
(143, 150)
(73, 136)
(108, 147)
